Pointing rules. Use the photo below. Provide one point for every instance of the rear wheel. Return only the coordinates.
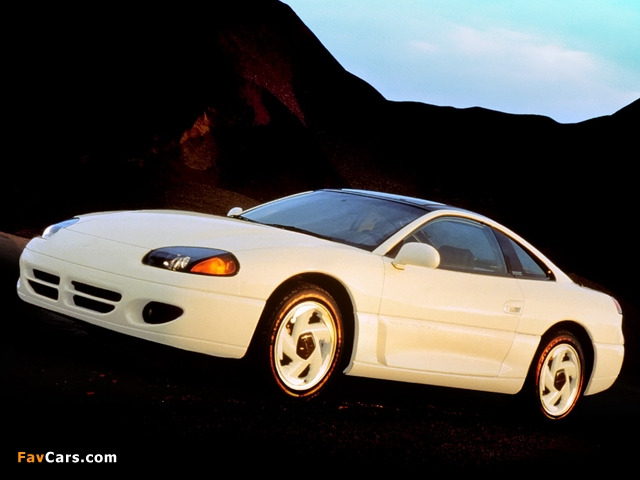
(305, 341)
(559, 376)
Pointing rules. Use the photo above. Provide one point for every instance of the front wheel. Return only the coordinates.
(305, 341)
(559, 376)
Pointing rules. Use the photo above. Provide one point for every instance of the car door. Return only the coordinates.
(459, 318)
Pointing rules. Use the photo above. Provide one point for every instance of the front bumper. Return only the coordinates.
(212, 322)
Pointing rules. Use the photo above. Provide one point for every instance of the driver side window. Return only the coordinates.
(464, 245)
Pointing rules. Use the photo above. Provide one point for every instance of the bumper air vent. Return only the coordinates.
(94, 298)
(43, 284)
(97, 292)
(44, 290)
(46, 277)
(90, 304)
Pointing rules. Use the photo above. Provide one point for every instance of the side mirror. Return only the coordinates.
(418, 254)
(234, 211)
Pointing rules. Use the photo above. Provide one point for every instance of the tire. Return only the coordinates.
(559, 376)
(305, 341)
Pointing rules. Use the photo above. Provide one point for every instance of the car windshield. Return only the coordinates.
(359, 220)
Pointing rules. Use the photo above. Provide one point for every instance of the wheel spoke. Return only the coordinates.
(321, 332)
(301, 318)
(315, 362)
(566, 390)
(296, 368)
(552, 398)
(570, 369)
(286, 346)
(555, 364)
(547, 380)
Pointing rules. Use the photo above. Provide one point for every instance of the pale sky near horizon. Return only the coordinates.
(570, 60)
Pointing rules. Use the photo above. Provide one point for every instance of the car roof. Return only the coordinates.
(426, 205)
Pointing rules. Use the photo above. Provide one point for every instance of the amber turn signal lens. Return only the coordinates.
(222, 265)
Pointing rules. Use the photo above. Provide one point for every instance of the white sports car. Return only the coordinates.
(332, 281)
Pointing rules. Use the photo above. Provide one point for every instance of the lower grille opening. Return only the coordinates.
(44, 290)
(156, 313)
(97, 292)
(91, 304)
(46, 277)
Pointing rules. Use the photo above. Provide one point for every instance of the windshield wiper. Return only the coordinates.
(240, 217)
(292, 228)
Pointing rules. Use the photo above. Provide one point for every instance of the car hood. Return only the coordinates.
(160, 228)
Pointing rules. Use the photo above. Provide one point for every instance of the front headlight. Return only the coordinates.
(198, 260)
(50, 230)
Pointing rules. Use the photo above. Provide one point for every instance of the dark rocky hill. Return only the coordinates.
(236, 104)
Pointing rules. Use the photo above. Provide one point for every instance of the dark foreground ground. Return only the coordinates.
(72, 389)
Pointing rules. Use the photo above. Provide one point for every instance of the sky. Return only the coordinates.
(570, 60)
